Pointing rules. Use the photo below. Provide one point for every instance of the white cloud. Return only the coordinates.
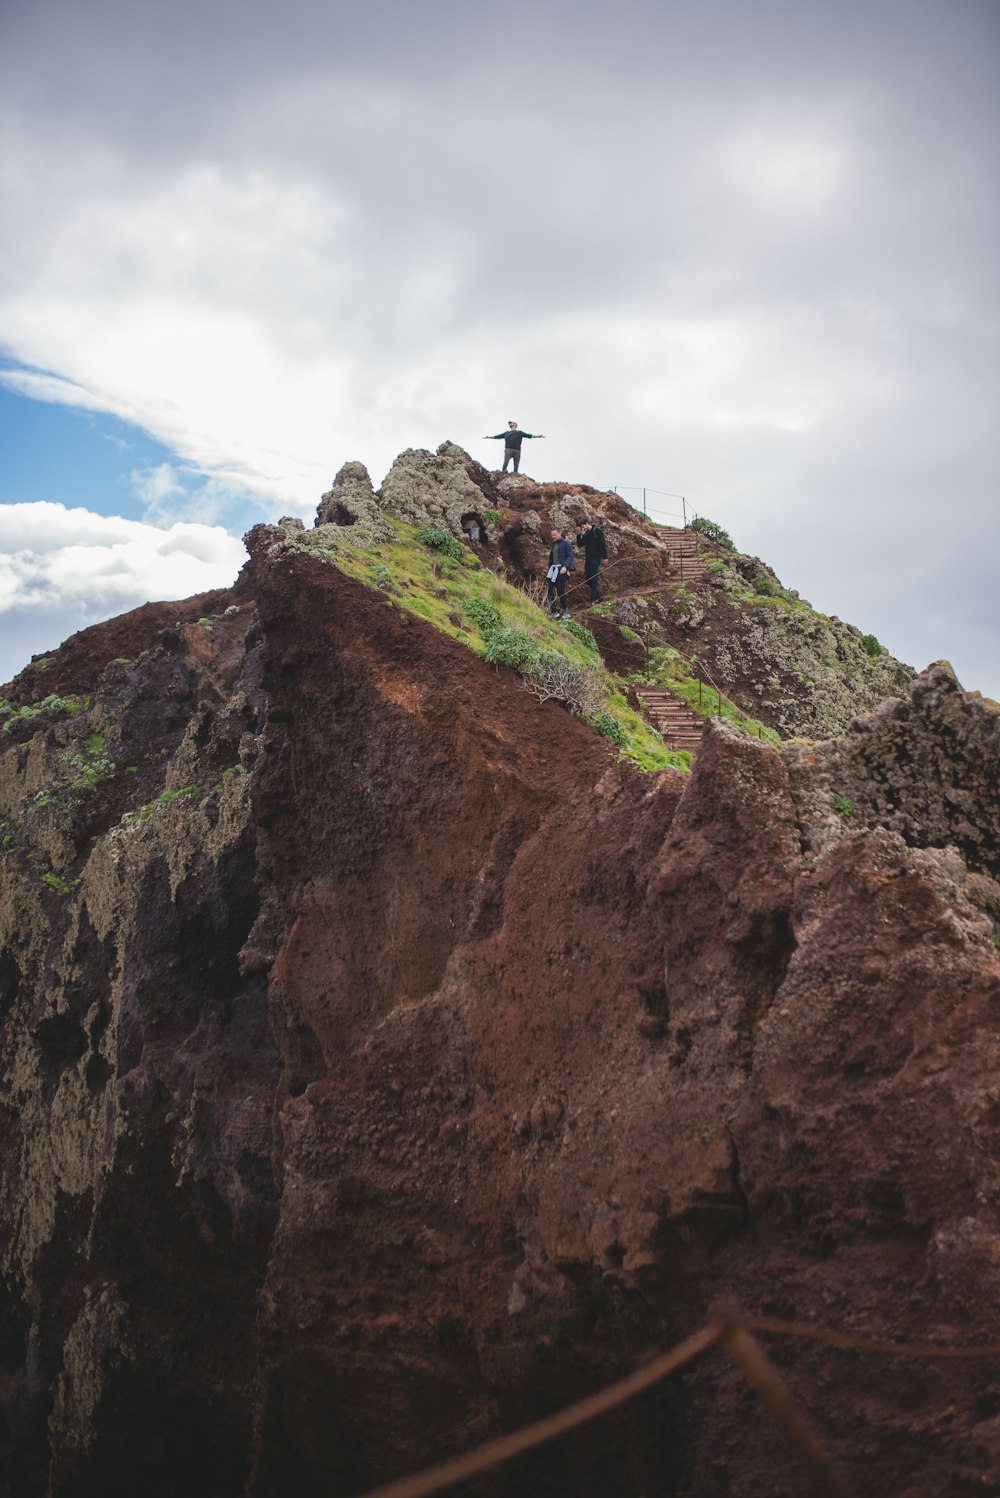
(61, 569)
(741, 261)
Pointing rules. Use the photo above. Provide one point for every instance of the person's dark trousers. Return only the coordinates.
(591, 568)
(511, 452)
(558, 587)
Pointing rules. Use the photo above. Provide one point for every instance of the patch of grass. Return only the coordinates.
(843, 806)
(492, 517)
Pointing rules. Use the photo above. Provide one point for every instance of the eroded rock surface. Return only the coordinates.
(387, 1065)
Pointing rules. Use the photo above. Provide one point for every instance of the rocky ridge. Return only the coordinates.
(387, 1061)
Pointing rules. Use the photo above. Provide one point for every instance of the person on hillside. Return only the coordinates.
(595, 551)
(512, 439)
(561, 564)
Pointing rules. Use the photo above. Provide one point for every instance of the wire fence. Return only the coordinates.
(728, 1327)
(685, 514)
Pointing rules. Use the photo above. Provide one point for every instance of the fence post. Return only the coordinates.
(644, 501)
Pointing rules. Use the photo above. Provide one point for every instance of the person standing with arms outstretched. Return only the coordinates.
(512, 439)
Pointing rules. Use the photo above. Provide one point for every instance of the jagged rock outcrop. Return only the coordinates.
(927, 766)
(438, 489)
(352, 502)
(387, 1063)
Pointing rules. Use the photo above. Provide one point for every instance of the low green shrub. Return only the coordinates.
(581, 633)
(872, 646)
(484, 614)
(440, 541)
(843, 806)
(492, 517)
(511, 647)
(88, 773)
(609, 727)
(712, 531)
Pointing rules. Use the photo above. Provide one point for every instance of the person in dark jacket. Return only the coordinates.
(595, 551)
(560, 566)
(512, 439)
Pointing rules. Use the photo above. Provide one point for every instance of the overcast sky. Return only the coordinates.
(744, 252)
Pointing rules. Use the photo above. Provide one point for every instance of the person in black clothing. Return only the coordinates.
(512, 439)
(560, 566)
(595, 550)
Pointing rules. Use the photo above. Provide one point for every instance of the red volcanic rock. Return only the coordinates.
(389, 1065)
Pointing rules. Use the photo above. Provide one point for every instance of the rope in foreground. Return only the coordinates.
(727, 1326)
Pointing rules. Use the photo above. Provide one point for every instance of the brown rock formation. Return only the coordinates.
(387, 1065)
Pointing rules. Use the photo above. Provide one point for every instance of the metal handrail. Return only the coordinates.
(666, 493)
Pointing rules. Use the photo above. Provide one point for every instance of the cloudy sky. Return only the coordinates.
(743, 252)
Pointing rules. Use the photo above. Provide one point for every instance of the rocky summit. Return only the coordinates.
(403, 1037)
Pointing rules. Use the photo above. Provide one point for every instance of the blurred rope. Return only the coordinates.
(730, 1328)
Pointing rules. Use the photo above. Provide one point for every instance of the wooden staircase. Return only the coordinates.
(680, 727)
(687, 558)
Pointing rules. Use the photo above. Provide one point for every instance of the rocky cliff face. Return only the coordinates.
(388, 1062)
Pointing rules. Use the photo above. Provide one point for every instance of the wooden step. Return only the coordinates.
(680, 727)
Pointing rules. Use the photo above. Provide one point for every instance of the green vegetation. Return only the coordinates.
(492, 517)
(57, 883)
(228, 613)
(581, 633)
(132, 818)
(512, 647)
(440, 541)
(88, 773)
(452, 590)
(667, 668)
(843, 806)
(484, 614)
(712, 531)
(871, 645)
(610, 728)
(53, 703)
